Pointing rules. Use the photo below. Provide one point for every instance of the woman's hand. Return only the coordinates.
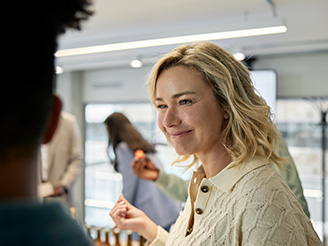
(144, 168)
(128, 217)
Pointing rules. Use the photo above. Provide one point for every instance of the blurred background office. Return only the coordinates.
(103, 69)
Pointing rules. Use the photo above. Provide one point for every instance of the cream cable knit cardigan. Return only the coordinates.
(247, 206)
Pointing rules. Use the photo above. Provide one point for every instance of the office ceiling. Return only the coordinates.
(130, 20)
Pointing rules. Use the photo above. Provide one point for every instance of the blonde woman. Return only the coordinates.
(208, 110)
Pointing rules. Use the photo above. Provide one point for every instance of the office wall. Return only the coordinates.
(299, 75)
(115, 85)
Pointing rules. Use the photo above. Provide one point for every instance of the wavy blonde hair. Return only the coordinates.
(250, 131)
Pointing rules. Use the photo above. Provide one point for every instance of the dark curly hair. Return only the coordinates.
(30, 41)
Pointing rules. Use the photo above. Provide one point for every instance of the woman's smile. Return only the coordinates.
(180, 134)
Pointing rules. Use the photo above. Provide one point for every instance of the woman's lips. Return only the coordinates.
(179, 134)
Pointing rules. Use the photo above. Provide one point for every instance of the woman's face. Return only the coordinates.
(189, 115)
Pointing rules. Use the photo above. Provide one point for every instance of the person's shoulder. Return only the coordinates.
(261, 184)
(122, 146)
(264, 174)
(68, 116)
(70, 232)
(269, 208)
(39, 224)
(123, 152)
(265, 190)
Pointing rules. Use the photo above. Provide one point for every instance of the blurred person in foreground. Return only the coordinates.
(29, 117)
(208, 109)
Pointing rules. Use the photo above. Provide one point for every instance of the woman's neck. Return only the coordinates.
(215, 161)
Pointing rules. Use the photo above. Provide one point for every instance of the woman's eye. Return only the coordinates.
(184, 102)
(161, 106)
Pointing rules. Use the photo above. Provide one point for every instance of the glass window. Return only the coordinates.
(299, 122)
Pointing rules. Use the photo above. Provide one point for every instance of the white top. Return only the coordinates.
(251, 205)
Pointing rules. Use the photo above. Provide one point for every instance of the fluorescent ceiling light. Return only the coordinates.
(239, 56)
(59, 70)
(136, 63)
(170, 41)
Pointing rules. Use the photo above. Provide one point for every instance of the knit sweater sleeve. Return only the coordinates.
(161, 237)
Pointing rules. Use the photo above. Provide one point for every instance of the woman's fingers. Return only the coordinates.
(128, 217)
(139, 162)
(118, 213)
(137, 166)
(123, 201)
(119, 209)
(125, 215)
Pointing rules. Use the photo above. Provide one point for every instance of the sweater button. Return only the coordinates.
(199, 211)
(204, 188)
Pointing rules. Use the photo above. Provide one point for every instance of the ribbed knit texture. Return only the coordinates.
(259, 209)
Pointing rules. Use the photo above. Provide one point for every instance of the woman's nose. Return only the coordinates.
(171, 118)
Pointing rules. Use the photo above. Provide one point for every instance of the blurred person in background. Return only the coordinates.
(61, 161)
(124, 139)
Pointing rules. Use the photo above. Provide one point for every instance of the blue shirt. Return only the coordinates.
(144, 194)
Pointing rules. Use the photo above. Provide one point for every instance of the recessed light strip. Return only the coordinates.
(170, 41)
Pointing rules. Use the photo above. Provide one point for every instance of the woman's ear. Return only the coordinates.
(53, 119)
(226, 115)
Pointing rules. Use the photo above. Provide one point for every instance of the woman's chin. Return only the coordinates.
(182, 151)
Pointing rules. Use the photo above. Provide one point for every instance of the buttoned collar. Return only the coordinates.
(229, 176)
